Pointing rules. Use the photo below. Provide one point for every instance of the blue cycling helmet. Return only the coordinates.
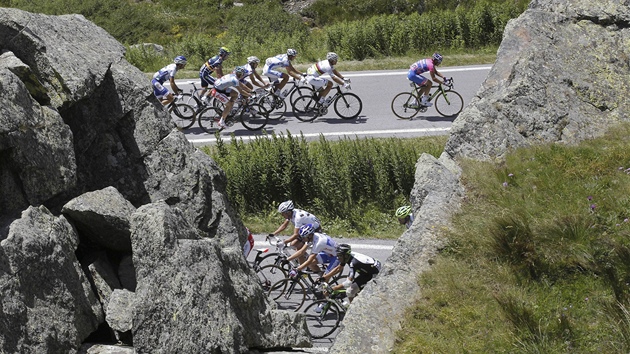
(305, 231)
(437, 57)
(180, 60)
(240, 71)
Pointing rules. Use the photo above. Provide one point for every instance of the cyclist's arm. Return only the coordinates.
(219, 71)
(243, 89)
(337, 77)
(435, 73)
(293, 73)
(334, 271)
(257, 80)
(281, 228)
(309, 260)
(299, 253)
(173, 84)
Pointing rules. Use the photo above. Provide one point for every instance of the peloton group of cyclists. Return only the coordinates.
(228, 87)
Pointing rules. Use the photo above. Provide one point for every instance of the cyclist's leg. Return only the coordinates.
(318, 83)
(206, 81)
(161, 93)
(274, 77)
(228, 106)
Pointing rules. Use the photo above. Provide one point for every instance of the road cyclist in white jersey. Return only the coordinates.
(252, 75)
(227, 89)
(323, 251)
(298, 218)
(167, 73)
(404, 215)
(323, 85)
(281, 61)
(362, 269)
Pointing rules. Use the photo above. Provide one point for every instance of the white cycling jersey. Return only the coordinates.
(165, 73)
(301, 217)
(320, 68)
(324, 243)
(280, 60)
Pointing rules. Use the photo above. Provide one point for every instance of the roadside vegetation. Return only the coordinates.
(538, 259)
(353, 185)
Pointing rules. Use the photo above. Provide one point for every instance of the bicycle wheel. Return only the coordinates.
(274, 105)
(305, 108)
(300, 91)
(254, 117)
(405, 105)
(208, 120)
(189, 99)
(449, 103)
(322, 318)
(270, 274)
(348, 106)
(289, 294)
(182, 115)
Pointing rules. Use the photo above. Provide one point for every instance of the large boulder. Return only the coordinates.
(561, 75)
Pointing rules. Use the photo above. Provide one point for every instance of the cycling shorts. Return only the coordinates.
(158, 90)
(325, 258)
(273, 75)
(206, 77)
(418, 79)
(316, 82)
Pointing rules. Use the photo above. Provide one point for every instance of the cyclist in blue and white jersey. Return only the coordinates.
(167, 73)
(281, 61)
(214, 64)
(423, 66)
(250, 72)
(313, 76)
(323, 250)
(227, 88)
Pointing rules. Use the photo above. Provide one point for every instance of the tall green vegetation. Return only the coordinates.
(538, 259)
(351, 179)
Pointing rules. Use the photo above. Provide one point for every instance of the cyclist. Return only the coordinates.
(362, 269)
(167, 72)
(229, 86)
(250, 72)
(281, 61)
(422, 66)
(323, 251)
(298, 218)
(404, 215)
(313, 76)
(214, 64)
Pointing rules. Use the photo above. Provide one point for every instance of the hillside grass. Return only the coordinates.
(538, 258)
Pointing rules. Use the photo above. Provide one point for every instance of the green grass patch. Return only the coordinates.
(538, 259)
(353, 185)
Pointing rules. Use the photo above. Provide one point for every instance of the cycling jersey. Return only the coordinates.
(362, 268)
(410, 221)
(326, 250)
(301, 217)
(226, 81)
(165, 73)
(320, 68)
(206, 70)
(280, 60)
(422, 66)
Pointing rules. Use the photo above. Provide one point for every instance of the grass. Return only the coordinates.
(538, 259)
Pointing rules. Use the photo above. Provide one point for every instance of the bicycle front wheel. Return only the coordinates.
(449, 103)
(405, 105)
(182, 115)
(348, 106)
(305, 108)
(254, 117)
(208, 120)
(289, 294)
(274, 105)
(322, 318)
(270, 274)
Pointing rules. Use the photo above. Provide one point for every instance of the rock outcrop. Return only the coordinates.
(561, 76)
(113, 227)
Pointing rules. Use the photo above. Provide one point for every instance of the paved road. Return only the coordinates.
(379, 249)
(376, 89)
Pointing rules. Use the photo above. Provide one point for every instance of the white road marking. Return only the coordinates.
(311, 135)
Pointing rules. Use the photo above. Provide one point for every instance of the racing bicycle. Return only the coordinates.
(252, 116)
(347, 105)
(447, 101)
(277, 105)
(324, 316)
(182, 114)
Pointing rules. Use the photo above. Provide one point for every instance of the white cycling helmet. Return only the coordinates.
(291, 52)
(332, 56)
(285, 206)
(253, 59)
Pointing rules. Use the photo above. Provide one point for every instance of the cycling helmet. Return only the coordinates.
(343, 249)
(305, 231)
(239, 71)
(224, 51)
(180, 60)
(253, 59)
(437, 57)
(403, 211)
(291, 52)
(332, 56)
(285, 206)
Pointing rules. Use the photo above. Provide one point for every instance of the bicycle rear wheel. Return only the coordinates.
(300, 91)
(348, 106)
(274, 105)
(449, 103)
(208, 120)
(322, 318)
(305, 108)
(405, 105)
(270, 274)
(254, 117)
(289, 294)
(182, 115)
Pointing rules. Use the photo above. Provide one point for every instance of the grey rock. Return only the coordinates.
(103, 217)
(561, 76)
(120, 310)
(104, 279)
(92, 348)
(48, 305)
